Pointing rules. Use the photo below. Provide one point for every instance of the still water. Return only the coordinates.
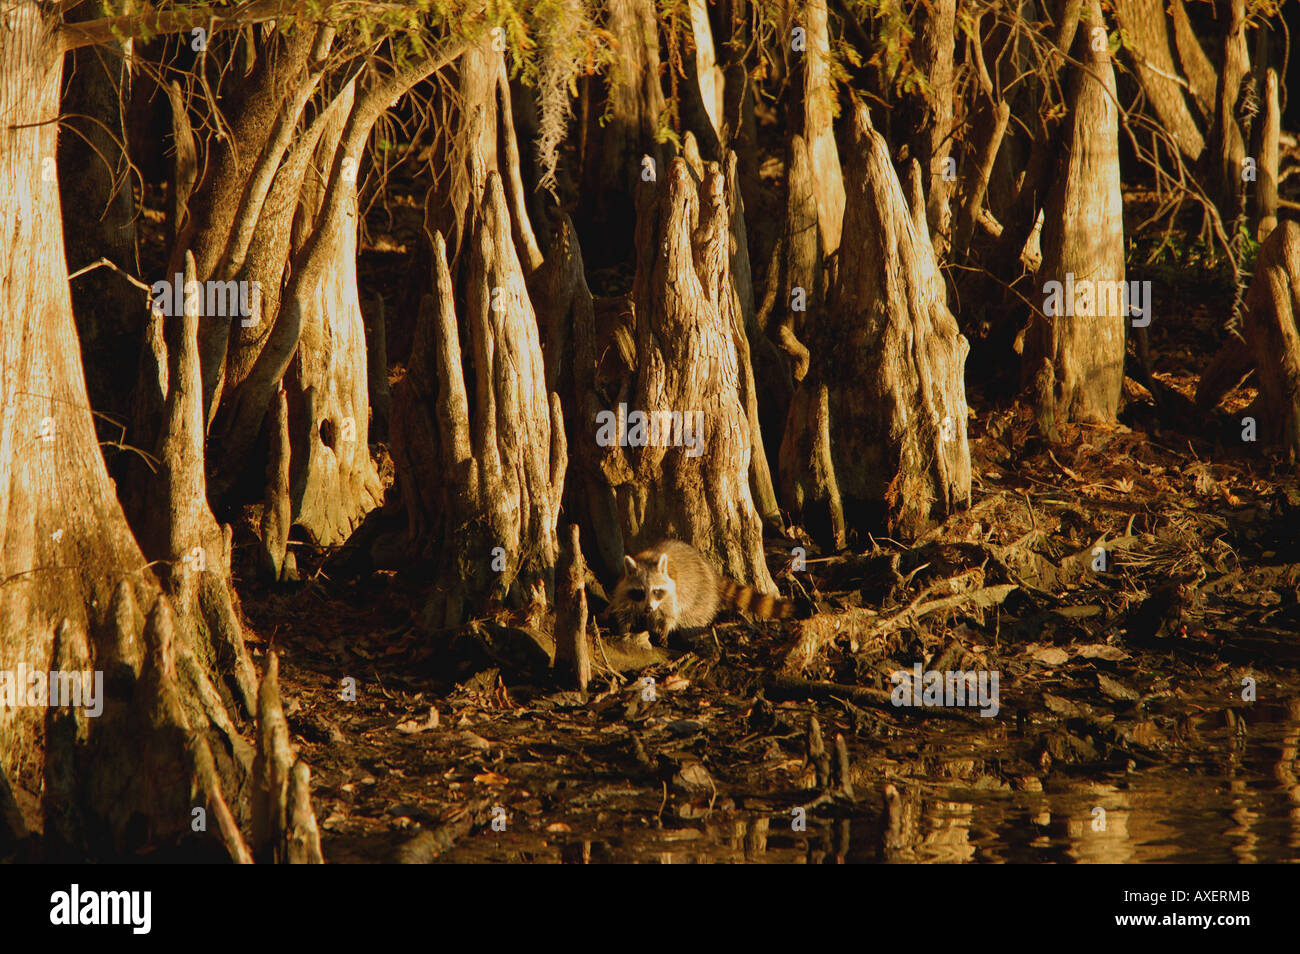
(1229, 798)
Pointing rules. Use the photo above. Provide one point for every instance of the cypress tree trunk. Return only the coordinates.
(876, 437)
(617, 146)
(1272, 313)
(1269, 344)
(1266, 205)
(313, 343)
(932, 139)
(1151, 33)
(1074, 350)
(671, 434)
(77, 593)
(1200, 72)
(478, 443)
(816, 97)
(567, 317)
(1227, 147)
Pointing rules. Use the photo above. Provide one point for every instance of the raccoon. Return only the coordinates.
(671, 586)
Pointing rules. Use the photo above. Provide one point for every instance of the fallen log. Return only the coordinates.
(784, 687)
(866, 625)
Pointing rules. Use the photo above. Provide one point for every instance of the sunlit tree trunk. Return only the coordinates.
(75, 590)
(1074, 349)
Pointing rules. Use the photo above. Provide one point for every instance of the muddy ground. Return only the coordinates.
(1125, 729)
(1149, 698)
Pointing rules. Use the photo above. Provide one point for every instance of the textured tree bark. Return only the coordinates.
(805, 468)
(167, 501)
(741, 269)
(1266, 205)
(1227, 148)
(298, 232)
(566, 315)
(615, 149)
(316, 344)
(802, 294)
(1081, 332)
(1270, 344)
(258, 351)
(1152, 52)
(817, 96)
(677, 448)
(449, 210)
(1272, 312)
(930, 142)
(482, 130)
(530, 253)
(794, 290)
(999, 54)
(698, 104)
(77, 593)
(571, 652)
(877, 431)
(1201, 75)
(707, 71)
(332, 477)
(713, 259)
(284, 826)
(1019, 219)
(227, 202)
(740, 127)
(481, 475)
(990, 125)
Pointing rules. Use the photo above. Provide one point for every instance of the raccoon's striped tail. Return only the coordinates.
(747, 600)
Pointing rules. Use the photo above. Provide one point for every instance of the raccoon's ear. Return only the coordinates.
(629, 564)
(663, 563)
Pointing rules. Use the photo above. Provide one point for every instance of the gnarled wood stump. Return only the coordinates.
(284, 825)
(78, 595)
(678, 447)
(876, 437)
(1270, 344)
(478, 444)
(168, 504)
(567, 317)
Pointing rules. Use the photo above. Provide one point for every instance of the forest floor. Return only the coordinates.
(1119, 689)
(1136, 590)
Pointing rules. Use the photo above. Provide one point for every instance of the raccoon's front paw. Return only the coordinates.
(636, 639)
(630, 634)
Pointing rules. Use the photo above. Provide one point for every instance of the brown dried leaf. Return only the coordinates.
(1116, 690)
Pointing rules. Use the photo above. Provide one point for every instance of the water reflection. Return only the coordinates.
(1240, 805)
